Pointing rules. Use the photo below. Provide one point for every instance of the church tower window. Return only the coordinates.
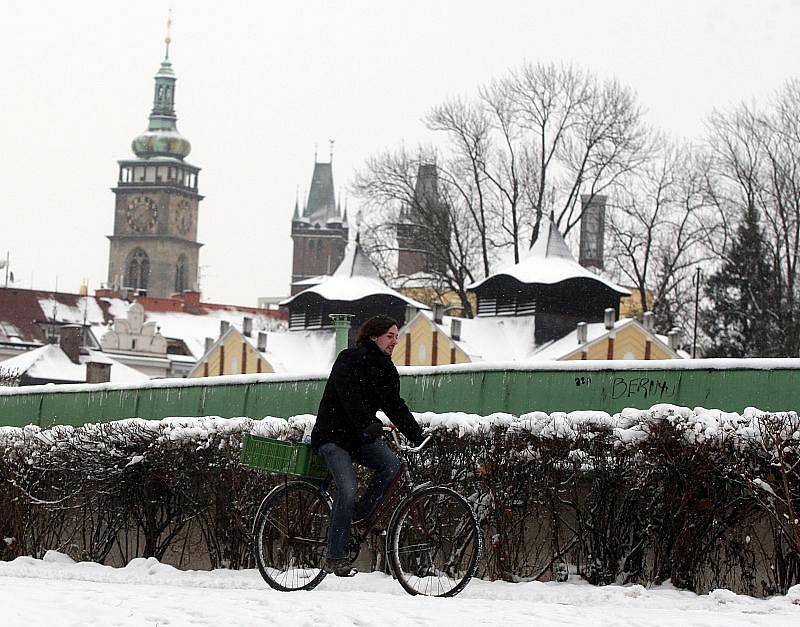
(138, 270)
(180, 275)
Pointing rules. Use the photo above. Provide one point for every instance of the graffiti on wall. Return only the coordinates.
(639, 387)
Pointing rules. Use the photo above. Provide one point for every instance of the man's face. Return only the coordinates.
(387, 341)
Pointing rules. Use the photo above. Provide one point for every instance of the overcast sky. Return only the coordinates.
(260, 83)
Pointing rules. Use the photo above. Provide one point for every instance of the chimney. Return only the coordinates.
(247, 326)
(411, 311)
(610, 318)
(593, 224)
(455, 329)
(223, 326)
(190, 298)
(262, 342)
(341, 325)
(674, 337)
(70, 342)
(98, 372)
(583, 332)
(209, 343)
(648, 321)
(438, 313)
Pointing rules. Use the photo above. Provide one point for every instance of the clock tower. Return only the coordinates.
(154, 248)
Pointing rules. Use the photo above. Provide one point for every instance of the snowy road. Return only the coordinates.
(57, 592)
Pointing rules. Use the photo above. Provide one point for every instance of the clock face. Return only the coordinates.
(183, 217)
(142, 214)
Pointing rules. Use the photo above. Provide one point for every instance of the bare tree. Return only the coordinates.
(468, 129)
(660, 226)
(757, 164)
(533, 142)
(582, 134)
(443, 231)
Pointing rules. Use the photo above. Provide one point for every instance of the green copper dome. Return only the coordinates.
(162, 139)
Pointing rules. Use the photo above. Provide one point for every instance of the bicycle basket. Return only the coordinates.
(287, 458)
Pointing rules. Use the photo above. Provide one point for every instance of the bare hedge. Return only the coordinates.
(704, 499)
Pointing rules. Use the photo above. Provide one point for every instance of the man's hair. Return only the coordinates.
(374, 327)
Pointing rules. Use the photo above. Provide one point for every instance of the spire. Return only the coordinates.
(162, 139)
(356, 263)
(321, 205)
(550, 242)
(168, 39)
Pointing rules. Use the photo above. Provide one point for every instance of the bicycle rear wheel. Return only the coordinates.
(434, 543)
(290, 535)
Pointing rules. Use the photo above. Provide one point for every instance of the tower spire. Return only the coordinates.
(168, 38)
(162, 139)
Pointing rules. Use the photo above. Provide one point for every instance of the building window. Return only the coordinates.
(138, 270)
(180, 275)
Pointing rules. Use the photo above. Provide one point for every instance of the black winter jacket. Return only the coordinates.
(362, 381)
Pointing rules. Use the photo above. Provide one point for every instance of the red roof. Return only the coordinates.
(21, 310)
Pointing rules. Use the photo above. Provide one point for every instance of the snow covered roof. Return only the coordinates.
(508, 338)
(300, 352)
(355, 278)
(22, 311)
(193, 329)
(505, 338)
(356, 263)
(50, 363)
(548, 262)
(595, 331)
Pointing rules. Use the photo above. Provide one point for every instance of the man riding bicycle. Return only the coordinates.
(363, 380)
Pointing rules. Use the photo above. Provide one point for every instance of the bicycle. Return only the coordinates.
(433, 539)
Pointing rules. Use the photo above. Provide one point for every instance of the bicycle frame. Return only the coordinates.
(403, 506)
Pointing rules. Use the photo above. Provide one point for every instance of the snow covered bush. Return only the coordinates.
(9, 378)
(703, 498)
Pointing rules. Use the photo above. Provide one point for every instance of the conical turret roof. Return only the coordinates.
(355, 278)
(549, 261)
(321, 205)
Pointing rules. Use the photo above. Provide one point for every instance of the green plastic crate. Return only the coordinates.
(286, 458)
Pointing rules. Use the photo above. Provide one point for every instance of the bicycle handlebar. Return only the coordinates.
(404, 447)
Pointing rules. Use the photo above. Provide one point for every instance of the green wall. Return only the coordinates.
(729, 385)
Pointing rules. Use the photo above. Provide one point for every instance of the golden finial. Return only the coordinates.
(168, 39)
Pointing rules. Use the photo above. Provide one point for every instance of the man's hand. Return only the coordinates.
(372, 432)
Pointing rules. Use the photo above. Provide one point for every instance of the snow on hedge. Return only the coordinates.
(628, 427)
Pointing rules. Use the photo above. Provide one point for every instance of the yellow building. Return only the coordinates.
(631, 306)
(232, 353)
(298, 352)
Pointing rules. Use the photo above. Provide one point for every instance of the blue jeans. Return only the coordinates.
(376, 456)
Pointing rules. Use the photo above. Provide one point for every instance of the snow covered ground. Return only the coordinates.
(56, 591)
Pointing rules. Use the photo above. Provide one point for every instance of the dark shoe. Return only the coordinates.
(340, 568)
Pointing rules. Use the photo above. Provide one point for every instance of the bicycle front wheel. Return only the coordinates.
(290, 535)
(434, 543)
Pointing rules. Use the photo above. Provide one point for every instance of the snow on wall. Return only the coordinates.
(588, 365)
